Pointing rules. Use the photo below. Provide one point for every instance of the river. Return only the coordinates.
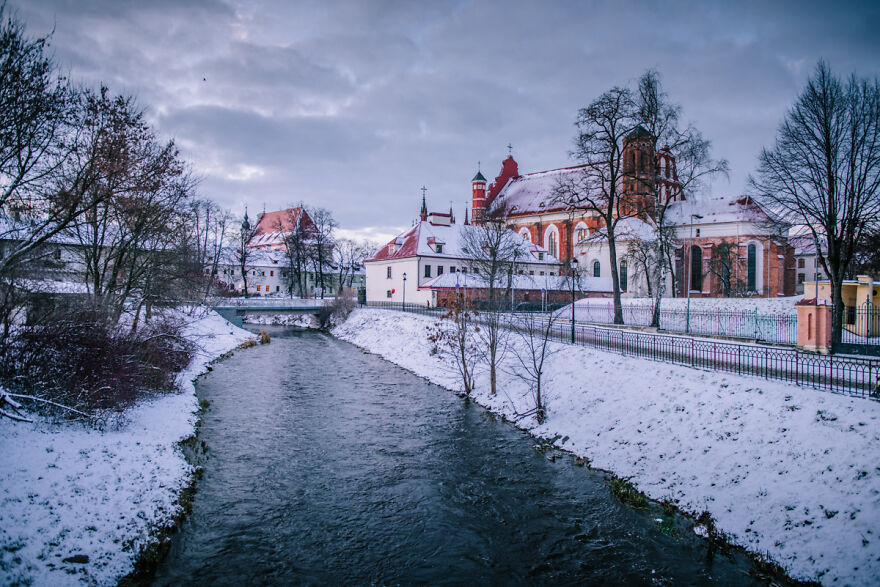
(326, 465)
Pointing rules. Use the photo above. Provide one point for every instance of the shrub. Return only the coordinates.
(81, 359)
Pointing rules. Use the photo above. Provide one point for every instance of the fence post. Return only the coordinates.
(692, 352)
(766, 359)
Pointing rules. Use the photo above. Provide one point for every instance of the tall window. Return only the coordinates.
(427, 271)
(388, 272)
(597, 269)
(696, 268)
(752, 267)
(552, 245)
(580, 234)
(624, 282)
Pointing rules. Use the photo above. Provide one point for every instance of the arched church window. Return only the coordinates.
(752, 261)
(696, 268)
(552, 244)
(624, 277)
(597, 269)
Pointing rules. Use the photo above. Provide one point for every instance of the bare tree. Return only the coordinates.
(38, 113)
(602, 127)
(531, 354)
(127, 233)
(297, 232)
(348, 256)
(453, 337)
(322, 243)
(492, 251)
(824, 170)
(693, 165)
(243, 255)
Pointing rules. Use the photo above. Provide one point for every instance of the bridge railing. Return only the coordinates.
(256, 302)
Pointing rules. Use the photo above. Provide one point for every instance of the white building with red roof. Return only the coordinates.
(431, 247)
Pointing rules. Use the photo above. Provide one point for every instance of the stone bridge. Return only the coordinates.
(235, 309)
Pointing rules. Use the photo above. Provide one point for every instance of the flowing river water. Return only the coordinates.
(326, 465)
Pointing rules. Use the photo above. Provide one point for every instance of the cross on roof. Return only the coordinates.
(509, 150)
(424, 189)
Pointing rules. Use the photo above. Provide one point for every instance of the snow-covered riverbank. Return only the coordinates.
(783, 470)
(71, 491)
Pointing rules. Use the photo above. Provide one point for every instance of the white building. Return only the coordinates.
(432, 247)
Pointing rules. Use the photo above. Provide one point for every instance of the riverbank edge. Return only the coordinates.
(764, 566)
(151, 555)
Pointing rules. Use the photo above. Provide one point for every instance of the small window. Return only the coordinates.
(698, 232)
(452, 268)
(427, 271)
(388, 273)
(277, 288)
(801, 277)
(540, 256)
(439, 248)
(258, 288)
(388, 294)
(552, 273)
(801, 263)
(541, 273)
(531, 272)
(262, 274)
(57, 254)
(597, 269)
(439, 269)
(271, 274)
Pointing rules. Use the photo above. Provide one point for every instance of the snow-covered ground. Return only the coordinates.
(68, 490)
(784, 471)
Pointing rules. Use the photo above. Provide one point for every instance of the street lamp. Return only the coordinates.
(574, 265)
(404, 292)
(690, 254)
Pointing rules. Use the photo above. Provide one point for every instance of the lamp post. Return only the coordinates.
(687, 324)
(573, 264)
(404, 292)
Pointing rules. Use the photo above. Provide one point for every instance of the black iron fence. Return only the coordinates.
(849, 375)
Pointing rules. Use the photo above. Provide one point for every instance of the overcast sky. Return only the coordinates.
(355, 105)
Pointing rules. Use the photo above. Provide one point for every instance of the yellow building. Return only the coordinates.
(861, 298)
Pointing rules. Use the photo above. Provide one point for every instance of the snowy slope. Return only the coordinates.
(69, 490)
(787, 471)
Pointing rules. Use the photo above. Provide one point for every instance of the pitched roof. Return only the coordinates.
(272, 226)
(534, 193)
(423, 237)
(742, 208)
(478, 177)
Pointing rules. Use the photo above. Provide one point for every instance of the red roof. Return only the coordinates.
(285, 219)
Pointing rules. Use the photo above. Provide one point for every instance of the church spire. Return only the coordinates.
(424, 213)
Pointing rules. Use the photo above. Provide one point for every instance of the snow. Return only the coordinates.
(66, 489)
(784, 471)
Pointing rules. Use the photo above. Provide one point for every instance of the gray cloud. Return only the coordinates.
(355, 105)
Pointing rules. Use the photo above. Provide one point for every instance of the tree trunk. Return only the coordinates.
(615, 277)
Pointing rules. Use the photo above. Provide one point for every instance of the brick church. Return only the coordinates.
(725, 246)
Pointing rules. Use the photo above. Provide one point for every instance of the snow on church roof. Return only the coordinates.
(422, 240)
(740, 208)
(533, 193)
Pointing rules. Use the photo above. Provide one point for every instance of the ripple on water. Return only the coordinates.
(329, 465)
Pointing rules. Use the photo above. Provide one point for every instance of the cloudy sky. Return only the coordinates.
(354, 106)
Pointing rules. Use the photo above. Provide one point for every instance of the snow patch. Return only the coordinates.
(68, 490)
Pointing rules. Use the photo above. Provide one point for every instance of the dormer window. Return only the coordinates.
(438, 247)
(540, 256)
